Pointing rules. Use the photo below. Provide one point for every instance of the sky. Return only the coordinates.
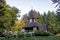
(26, 5)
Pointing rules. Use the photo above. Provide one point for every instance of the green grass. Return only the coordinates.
(34, 38)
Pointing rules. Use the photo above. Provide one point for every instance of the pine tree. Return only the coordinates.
(51, 21)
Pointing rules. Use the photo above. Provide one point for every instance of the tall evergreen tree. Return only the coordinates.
(44, 16)
(51, 21)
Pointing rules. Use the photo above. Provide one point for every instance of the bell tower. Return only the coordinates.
(31, 17)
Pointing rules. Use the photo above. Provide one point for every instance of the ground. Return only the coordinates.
(34, 38)
(58, 34)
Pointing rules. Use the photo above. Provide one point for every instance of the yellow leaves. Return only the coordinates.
(17, 26)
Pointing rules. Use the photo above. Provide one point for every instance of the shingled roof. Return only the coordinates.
(35, 24)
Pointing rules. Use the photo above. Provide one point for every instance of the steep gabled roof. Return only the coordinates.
(35, 24)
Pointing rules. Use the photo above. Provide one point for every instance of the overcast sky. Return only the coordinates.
(26, 5)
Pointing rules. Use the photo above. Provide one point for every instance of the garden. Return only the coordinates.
(11, 24)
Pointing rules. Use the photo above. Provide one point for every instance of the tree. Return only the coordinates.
(39, 18)
(2, 7)
(25, 18)
(3, 10)
(8, 15)
(51, 21)
(44, 16)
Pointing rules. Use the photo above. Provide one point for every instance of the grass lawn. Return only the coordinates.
(34, 38)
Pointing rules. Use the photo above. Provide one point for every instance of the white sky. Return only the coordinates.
(26, 5)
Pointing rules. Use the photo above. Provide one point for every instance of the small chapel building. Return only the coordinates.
(32, 24)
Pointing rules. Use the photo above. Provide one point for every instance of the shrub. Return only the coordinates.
(58, 30)
(42, 33)
(28, 35)
(20, 35)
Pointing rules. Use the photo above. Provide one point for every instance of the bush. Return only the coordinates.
(20, 35)
(42, 33)
(25, 34)
(28, 35)
(58, 30)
